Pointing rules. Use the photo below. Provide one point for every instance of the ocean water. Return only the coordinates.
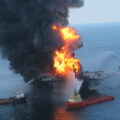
(101, 51)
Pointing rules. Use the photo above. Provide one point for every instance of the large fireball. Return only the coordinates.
(64, 61)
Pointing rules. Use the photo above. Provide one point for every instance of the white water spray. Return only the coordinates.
(73, 83)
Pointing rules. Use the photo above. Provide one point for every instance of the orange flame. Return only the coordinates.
(69, 34)
(64, 62)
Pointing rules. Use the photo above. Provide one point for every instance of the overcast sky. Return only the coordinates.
(96, 11)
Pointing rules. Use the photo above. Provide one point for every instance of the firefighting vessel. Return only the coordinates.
(77, 102)
(87, 96)
(19, 97)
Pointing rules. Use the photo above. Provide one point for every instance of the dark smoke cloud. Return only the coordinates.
(26, 38)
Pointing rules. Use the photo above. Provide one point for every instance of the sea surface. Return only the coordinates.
(101, 51)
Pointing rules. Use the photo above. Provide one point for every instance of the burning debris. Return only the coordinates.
(34, 32)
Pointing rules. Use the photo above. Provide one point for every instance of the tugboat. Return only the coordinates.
(19, 97)
(77, 102)
(86, 96)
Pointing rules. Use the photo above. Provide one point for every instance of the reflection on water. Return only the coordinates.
(62, 114)
(45, 107)
(48, 106)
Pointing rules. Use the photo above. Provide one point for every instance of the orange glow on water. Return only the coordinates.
(62, 114)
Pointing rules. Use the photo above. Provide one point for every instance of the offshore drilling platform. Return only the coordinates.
(35, 37)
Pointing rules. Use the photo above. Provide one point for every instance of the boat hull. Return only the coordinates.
(89, 101)
(21, 100)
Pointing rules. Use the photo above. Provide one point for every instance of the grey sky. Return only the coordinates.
(96, 11)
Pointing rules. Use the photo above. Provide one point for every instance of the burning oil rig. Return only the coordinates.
(35, 37)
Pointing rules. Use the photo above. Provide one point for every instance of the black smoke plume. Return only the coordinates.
(26, 37)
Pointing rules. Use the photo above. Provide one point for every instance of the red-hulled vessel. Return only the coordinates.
(89, 101)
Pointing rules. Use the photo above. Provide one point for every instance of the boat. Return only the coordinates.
(88, 101)
(19, 97)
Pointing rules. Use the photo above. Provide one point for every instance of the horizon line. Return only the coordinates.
(97, 23)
